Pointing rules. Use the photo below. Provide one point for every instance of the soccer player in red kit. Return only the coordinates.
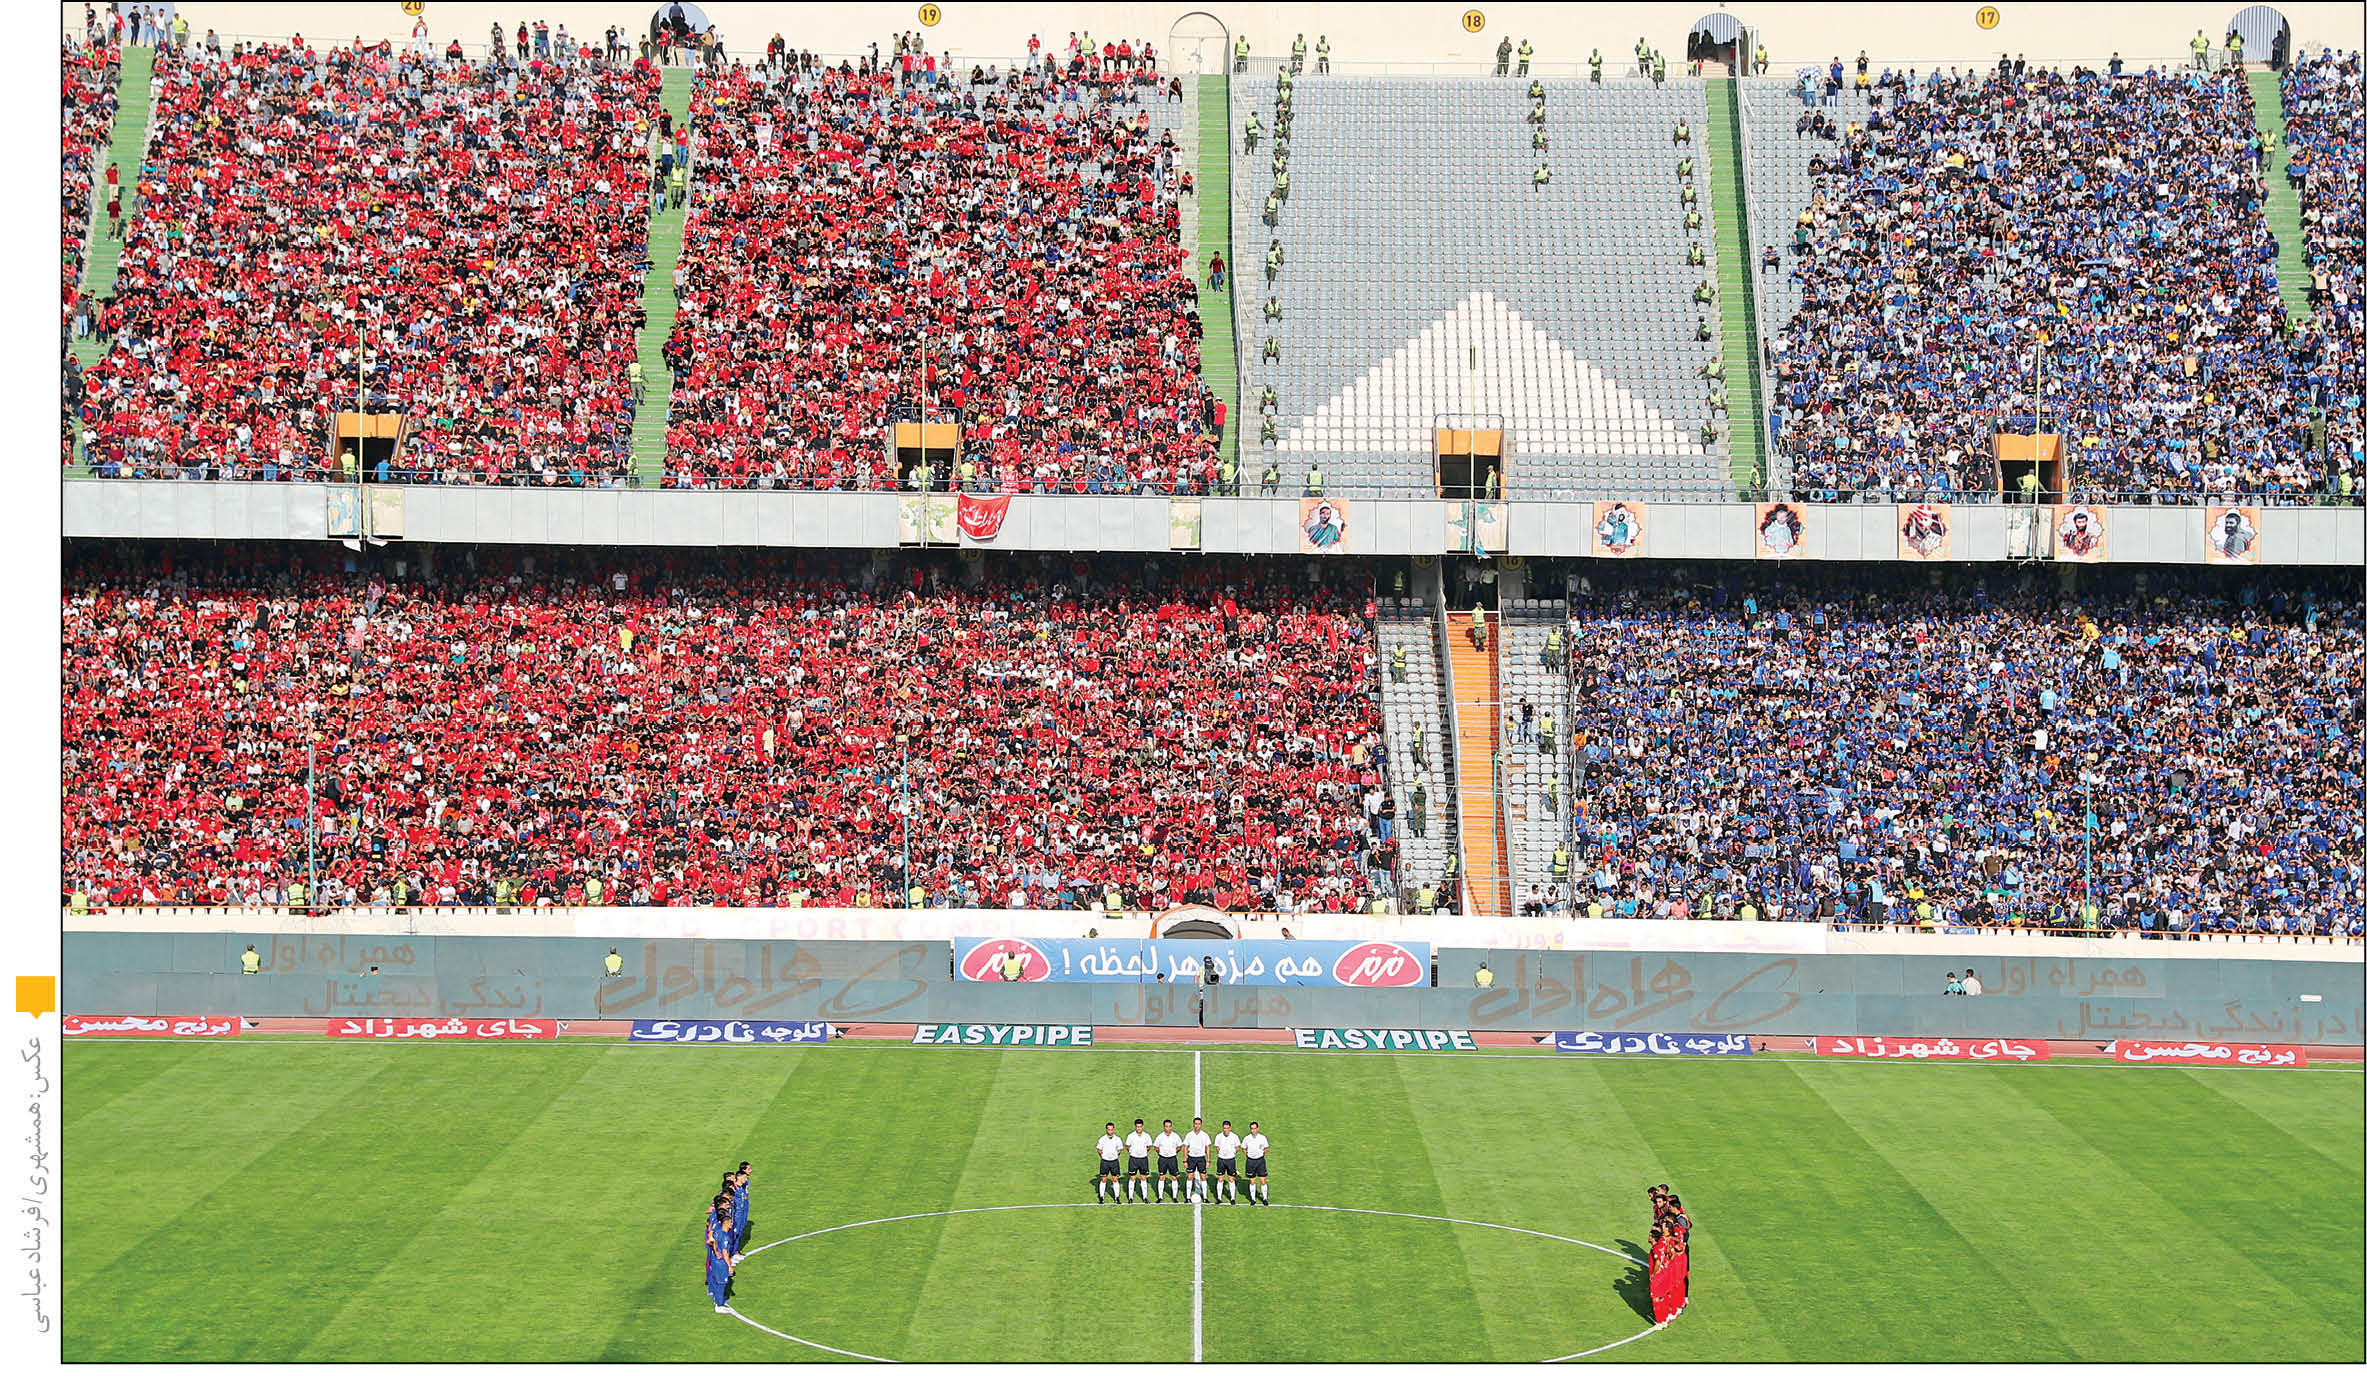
(1660, 1265)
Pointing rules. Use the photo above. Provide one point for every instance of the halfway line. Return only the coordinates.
(1196, 1220)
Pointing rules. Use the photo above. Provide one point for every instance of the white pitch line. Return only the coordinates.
(1196, 1348)
(1315, 1208)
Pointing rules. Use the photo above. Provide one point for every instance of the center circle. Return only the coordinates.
(1312, 1208)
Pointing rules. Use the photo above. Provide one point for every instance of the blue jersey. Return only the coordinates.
(739, 1209)
(718, 1245)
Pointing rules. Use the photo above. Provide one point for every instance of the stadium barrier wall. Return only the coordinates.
(1226, 525)
(864, 981)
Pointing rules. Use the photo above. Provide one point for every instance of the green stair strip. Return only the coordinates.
(2283, 207)
(1212, 189)
(125, 142)
(657, 297)
(1738, 313)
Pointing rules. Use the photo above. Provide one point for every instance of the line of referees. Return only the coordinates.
(1183, 1163)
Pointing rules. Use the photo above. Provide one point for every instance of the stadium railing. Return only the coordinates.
(1816, 496)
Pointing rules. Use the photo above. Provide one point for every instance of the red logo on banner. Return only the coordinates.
(985, 960)
(1931, 1049)
(445, 1029)
(981, 518)
(2209, 1053)
(1380, 965)
(134, 1025)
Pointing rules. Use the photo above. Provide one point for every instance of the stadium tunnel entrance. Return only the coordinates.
(1719, 38)
(2267, 35)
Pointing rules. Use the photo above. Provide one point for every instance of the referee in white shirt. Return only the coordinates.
(1228, 1143)
(1138, 1163)
(1253, 1156)
(1196, 1161)
(1106, 1182)
(1170, 1169)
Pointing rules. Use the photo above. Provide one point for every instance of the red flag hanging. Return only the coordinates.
(981, 518)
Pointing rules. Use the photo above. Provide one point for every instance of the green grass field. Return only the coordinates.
(307, 1200)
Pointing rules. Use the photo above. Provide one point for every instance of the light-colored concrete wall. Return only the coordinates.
(1893, 34)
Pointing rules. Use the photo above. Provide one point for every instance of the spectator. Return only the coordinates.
(1972, 985)
(1953, 230)
(1848, 737)
(471, 224)
(1012, 258)
(722, 731)
(87, 109)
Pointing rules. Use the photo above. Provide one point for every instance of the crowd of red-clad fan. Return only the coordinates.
(86, 108)
(596, 728)
(2080, 251)
(866, 245)
(479, 232)
(2326, 132)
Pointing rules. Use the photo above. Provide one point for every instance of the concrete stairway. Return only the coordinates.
(1212, 193)
(127, 141)
(657, 296)
(1738, 316)
(1478, 736)
(2283, 207)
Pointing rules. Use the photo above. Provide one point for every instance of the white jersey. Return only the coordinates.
(1226, 1144)
(1108, 1146)
(1195, 1143)
(1254, 1146)
(1167, 1142)
(1138, 1144)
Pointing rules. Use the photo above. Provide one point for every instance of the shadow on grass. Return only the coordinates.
(1636, 1285)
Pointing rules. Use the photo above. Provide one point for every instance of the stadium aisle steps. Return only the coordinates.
(1212, 192)
(1478, 732)
(2283, 207)
(125, 143)
(1738, 324)
(657, 293)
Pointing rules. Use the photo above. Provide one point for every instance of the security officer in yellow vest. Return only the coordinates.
(1545, 732)
(1228, 478)
(1561, 863)
(916, 897)
(1014, 969)
(1659, 66)
(1449, 877)
(79, 903)
(1269, 480)
(1643, 57)
(1526, 52)
(1418, 819)
(1540, 177)
(1425, 899)
(1397, 664)
(1250, 129)
(1594, 67)
(615, 964)
(1322, 54)
(1486, 978)
(1315, 480)
(1298, 53)
(1241, 54)
(1421, 738)
(1266, 432)
(1111, 903)
(250, 963)
(1553, 648)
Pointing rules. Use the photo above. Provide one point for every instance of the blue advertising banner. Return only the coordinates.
(1650, 1044)
(734, 1032)
(1329, 964)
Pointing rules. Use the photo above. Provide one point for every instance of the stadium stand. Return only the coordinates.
(480, 218)
(1537, 784)
(719, 730)
(2326, 128)
(1426, 274)
(1416, 706)
(1016, 237)
(1865, 744)
(2123, 221)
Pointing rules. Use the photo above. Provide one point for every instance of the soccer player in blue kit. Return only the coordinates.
(739, 1210)
(721, 1243)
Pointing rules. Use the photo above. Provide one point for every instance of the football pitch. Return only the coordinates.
(264, 1200)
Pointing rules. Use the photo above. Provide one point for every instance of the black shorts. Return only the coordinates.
(1224, 1165)
(1167, 1165)
(1257, 1167)
(1197, 1165)
(1138, 1165)
(1109, 1168)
